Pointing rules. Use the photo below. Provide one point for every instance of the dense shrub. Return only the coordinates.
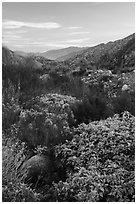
(99, 162)
(76, 87)
(93, 162)
(13, 190)
(10, 106)
(10, 72)
(25, 75)
(125, 101)
(46, 120)
(93, 106)
(64, 84)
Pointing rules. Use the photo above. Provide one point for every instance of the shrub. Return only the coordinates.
(25, 75)
(64, 84)
(13, 190)
(76, 87)
(124, 102)
(19, 192)
(93, 106)
(99, 161)
(46, 120)
(10, 106)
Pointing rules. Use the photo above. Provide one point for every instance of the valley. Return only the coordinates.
(68, 124)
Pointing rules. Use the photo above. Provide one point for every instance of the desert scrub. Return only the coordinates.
(12, 157)
(10, 106)
(100, 162)
(46, 120)
(124, 101)
(13, 188)
(19, 192)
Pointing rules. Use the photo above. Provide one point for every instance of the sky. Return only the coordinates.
(42, 26)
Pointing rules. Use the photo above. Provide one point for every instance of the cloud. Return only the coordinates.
(15, 38)
(67, 43)
(77, 40)
(37, 43)
(20, 24)
(19, 45)
(73, 27)
(12, 36)
(78, 33)
(15, 32)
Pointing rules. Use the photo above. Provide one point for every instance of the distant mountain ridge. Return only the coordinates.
(59, 54)
(71, 54)
(10, 57)
(25, 54)
(56, 54)
(112, 55)
(116, 56)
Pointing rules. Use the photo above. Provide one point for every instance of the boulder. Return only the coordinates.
(125, 87)
(35, 169)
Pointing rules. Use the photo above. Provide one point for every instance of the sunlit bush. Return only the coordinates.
(13, 189)
(46, 120)
(100, 162)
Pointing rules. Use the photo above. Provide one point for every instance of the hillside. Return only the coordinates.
(68, 127)
(21, 53)
(61, 53)
(116, 56)
(10, 57)
(70, 55)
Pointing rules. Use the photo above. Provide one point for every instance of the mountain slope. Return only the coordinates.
(71, 55)
(56, 54)
(25, 54)
(10, 57)
(119, 54)
(116, 56)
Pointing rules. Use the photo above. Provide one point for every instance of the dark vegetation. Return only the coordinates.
(68, 128)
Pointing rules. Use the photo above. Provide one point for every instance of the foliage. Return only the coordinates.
(47, 109)
(10, 106)
(92, 107)
(19, 192)
(24, 75)
(99, 162)
(13, 155)
(46, 120)
(125, 101)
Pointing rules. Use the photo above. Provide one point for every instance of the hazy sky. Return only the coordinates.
(39, 27)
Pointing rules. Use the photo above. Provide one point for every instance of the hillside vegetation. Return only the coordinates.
(68, 128)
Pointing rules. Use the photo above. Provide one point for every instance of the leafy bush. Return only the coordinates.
(46, 120)
(10, 106)
(93, 106)
(19, 192)
(124, 102)
(64, 84)
(76, 87)
(13, 190)
(26, 75)
(99, 162)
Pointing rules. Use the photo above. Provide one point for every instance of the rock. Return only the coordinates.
(35, 168)
(125, 87)
(110, 72)
(100, 71)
